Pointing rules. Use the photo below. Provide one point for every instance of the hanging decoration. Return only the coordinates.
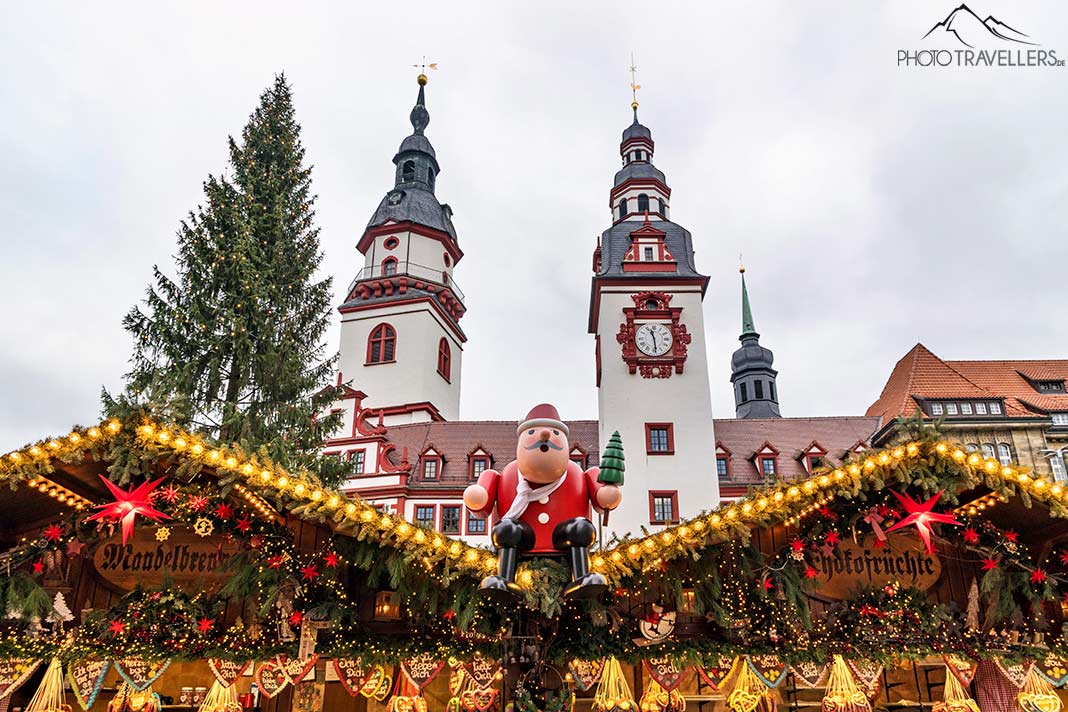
(1037, 695)
(586, 672)
(421, 670)
(49, 696)
(474, 700)
(483, 671)
(226, 672)
(1053, 670)
(810, 674)
(351, 673)
(664, 672)
(408, 697)
(86, 678)
(868, 675)
(613, 693)
(963, 669)
(657, 699)
(922, 517)
(716, 674)
(377, 685)
(13, 673)
(297, 668)
(140, 673)
(271, 678)
(749, 693)
(127, 699)
(769, 669)
(220, 698)
(954, 697)
(1016, 673)
(843, 694)
(128, 505)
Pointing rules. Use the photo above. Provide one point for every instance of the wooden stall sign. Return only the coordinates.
(853, 566)
(187, 558)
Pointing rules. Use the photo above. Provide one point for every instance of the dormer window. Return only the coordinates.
(408, 171)
(643, 203)
(648, 254)
(1049, 386)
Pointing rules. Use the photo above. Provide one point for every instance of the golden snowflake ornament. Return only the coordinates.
(203, 527)
(163, 534)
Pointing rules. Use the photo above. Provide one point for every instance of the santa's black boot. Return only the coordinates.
(511, 537)
(575, 537)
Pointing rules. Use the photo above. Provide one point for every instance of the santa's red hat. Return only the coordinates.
(544, 415)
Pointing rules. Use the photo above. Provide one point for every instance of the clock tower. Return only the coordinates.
(652, 375)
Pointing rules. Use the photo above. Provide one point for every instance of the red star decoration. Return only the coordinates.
(224, 511)
(1038, 576)
(74, 547)
(922, 517)
(129, 504)
(1012, 536)
(826, 513)
(169, 494)
(197, 503)
(310, 572)
(295, 618)
(811, 573)
(885, 510)
(117, 627)
(205, 624)
(832, 538)
(244, 524)
(869, 610)
(449, 614)
(971, 536)
(1064, 556)
(990, 564)
(38, 567)
(53, 532)
(768, 585)
(275, 562)
(797, 545)
(331, 560)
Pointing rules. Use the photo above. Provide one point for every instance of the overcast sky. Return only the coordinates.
(876, 206)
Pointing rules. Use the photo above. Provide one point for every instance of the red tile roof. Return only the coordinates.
(922, 374)
(792, 437)
(455, 440)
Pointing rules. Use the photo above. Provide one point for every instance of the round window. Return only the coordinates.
(391, 243)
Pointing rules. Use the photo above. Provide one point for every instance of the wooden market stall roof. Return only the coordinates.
(69, 464)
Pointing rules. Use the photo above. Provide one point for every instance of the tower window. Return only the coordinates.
(389, 266)
(744, 393)
(758, 389)
(622, 208)
(444, 359)
(650, 304)
(771, 387)
(648, 254)
(660, 208)
(382, 344)
(643, 203)
(408, 171)
(430, 177)
(659, 439)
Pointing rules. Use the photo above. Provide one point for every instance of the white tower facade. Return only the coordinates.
(401, 342)
(652, 371)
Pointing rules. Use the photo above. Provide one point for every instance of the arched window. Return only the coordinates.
(408, 171)
(389, 266)
(622, 208)
(1004, 454)
(643, 203)
(988, 450)
(382, 344)
(430, 177)
(661, 208)
(444, 359)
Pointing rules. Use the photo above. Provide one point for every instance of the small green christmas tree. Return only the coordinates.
(612, 465)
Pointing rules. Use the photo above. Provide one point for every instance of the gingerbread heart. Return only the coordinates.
(351, 673)
(1038, 702)
(227, 671)
(271, 678)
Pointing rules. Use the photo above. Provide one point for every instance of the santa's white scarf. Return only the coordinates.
(524, 493)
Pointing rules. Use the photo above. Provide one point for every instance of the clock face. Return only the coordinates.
(653, 339)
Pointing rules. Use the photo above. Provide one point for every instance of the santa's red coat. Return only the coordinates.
(572, 499)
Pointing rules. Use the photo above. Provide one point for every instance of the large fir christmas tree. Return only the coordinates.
(232, 345)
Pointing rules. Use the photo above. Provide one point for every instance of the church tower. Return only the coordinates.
(755, 392)
(652, 370)
(401, 342)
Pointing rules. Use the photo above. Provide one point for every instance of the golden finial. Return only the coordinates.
(634, 85)
(741, 265)
(422, 67)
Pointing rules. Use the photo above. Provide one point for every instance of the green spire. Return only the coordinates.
(747, 313)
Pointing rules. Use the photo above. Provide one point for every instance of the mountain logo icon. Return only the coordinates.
(968, 29)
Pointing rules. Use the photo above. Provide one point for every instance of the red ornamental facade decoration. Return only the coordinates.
(655, 308)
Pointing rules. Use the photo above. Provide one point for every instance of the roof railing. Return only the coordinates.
(392, 268)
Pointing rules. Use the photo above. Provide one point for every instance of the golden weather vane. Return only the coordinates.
(422, 67)
(634, 85)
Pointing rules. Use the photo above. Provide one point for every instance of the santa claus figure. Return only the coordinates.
(543, 500)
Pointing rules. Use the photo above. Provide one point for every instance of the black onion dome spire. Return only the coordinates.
(412, 198)
(755, 391)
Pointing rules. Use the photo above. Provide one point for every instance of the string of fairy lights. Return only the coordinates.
(302, 495)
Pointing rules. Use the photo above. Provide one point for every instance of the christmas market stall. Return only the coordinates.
(146, 567)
